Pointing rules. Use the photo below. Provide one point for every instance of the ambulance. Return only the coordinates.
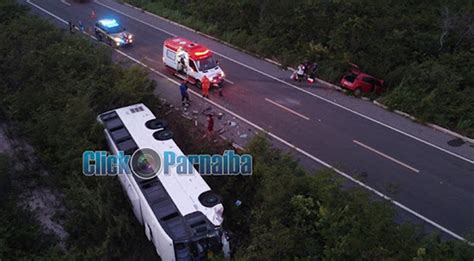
(191, 61)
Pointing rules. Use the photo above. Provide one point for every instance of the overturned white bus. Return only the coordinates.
(180, 213)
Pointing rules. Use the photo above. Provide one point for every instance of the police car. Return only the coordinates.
(112, 33)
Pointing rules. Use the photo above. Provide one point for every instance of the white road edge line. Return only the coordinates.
(302, 90)
(386, 156)
(46, 11)
(347, 176)
(65, 2)
(287, 109)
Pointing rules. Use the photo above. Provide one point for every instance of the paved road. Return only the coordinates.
(434, 180)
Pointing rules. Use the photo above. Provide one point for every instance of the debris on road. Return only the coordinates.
(207, 110)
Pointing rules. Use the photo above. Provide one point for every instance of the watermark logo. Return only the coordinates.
(229, 163)
(98, 163)
(147, 163)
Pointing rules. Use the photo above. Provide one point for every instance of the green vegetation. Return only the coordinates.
(5, 179)
(53, 85)
(422, 49)
(290, 215)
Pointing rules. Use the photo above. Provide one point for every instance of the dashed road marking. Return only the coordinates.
(287, 109)
(386, 156)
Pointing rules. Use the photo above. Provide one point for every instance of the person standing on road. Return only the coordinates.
(220, 89)
(205, 85)
(210, 125)
(183, 88)
(81, 26)
(181, 65)
(300, 72)
(306, 65)
(314, 70)
(71, 27)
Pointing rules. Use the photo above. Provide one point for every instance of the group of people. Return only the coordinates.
(205, 86)
(80, 25)
(306, 70)
(73, 26)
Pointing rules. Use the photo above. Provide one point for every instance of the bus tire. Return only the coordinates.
(156, 124)
(163, 135)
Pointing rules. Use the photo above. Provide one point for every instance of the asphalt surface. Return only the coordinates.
(434, 181)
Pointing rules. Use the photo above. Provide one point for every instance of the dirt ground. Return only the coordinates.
(45, 203)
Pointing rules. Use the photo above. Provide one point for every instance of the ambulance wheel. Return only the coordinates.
(198, 84)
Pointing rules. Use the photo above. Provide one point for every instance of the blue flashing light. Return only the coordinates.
(109, 23)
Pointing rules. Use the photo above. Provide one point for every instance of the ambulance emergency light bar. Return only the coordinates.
(201, 53)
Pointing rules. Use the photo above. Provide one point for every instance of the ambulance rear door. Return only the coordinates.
(169, 57)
